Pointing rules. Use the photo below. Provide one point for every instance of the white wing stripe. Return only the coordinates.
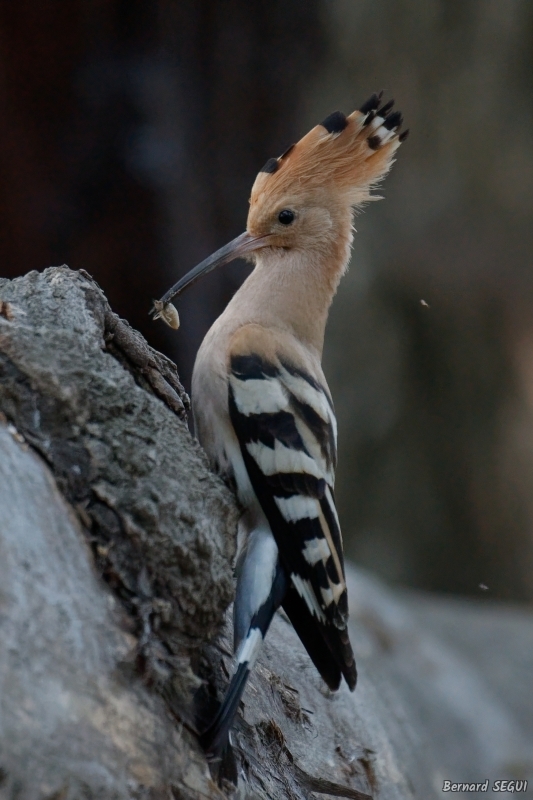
(271, 461)
(331, 503)
(307, 394)
(297, 507)
(305, 590)
(245, 489)
(316, 550)
(332, 594)
(314, 449)
(265, 396)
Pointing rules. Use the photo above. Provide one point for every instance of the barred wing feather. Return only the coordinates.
(285, 424)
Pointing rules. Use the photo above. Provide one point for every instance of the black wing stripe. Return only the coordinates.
(286, 484)
(252, 367)
(331, 570)
(269, 428)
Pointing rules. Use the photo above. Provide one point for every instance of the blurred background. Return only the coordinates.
(130, 135)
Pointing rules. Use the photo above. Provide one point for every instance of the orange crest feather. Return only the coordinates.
(344, 157)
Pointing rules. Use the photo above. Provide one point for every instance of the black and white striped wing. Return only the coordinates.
(285, 424)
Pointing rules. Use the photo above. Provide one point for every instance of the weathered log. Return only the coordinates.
(80, 387)
(115, 576)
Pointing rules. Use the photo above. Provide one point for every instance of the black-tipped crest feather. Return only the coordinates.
(369, 119)
(335, 123)
(374, 142)
(393, 121)
(371, 104)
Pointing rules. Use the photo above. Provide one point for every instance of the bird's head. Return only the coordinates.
(305, 199)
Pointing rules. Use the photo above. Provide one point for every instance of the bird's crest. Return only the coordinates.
(344, 156)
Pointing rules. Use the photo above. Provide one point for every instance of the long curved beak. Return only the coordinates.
(241, 246)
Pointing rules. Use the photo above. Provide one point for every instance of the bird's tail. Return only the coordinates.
(215, 738)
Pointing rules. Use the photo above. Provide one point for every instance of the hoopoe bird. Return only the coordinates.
(262, 407)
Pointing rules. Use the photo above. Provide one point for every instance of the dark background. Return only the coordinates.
(130, 134)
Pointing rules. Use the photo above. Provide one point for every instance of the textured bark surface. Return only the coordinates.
(121, 458)
(80, 387)
(116, 545)
(75, 722)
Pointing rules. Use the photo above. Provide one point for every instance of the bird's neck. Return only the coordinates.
(292, 290)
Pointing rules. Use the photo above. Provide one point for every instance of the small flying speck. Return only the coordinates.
(423, 303)
(483, 587)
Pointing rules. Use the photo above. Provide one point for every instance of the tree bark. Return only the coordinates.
(115, 577)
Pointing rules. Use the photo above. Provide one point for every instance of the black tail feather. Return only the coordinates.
(214, 739)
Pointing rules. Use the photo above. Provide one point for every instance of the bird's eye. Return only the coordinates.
(286, 216)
